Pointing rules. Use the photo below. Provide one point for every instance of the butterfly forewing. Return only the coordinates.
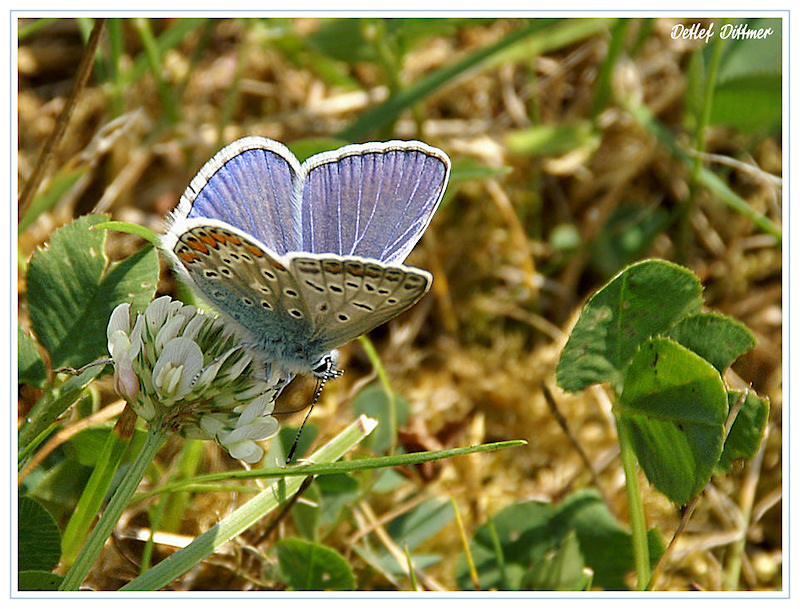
(349, 296)
(249, 184)
(371, 200)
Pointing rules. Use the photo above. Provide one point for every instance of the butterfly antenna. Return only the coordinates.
(317, 393)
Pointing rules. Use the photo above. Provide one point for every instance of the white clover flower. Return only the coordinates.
(180, 362)
(178, 367)
(239, 442)
(126, 383)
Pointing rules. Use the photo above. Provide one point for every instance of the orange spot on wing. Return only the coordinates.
(256, 251)
(224, 237)
(207, 239)
(196, 244)
(332, 266)
(277, 265)
(188, 256)
(355, 269)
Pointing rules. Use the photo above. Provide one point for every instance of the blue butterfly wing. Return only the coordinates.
(306, 258)
(371, 200)
(250, 184)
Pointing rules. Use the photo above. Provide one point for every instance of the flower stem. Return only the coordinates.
(122, 497)
(641, 551)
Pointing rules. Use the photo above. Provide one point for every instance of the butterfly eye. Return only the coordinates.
(325, 368)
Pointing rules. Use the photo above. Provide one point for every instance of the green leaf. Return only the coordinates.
(464, 169)
(72, 290)
(747, 431)
(86, 446)
(420, 524)
(327, 41)
(561, 570)
(643, 300)
(338, 492)
(750, 76)
(311, 566)
(39, 537)
(288, 436)
(327, 497)
(38, 580)
(527, 536)
(30, 364)
(59, 488)
(333, 484)
(674, 406)
(373, 402)
(606, 545)
(717, 338)
(521, 530)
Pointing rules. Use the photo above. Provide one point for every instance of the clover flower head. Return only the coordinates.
(177, 366)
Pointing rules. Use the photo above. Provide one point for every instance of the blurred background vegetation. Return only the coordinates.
(578, 146)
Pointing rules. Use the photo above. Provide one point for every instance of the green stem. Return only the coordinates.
(83, 564)
(641, 552)
(321, 468)
(498, 554)
(92, 498)
(254, 510)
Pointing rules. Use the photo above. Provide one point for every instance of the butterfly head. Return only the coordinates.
(325, 368)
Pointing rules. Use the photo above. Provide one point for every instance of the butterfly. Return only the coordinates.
(303, 258)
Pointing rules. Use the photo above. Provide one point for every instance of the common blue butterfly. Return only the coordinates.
(306, 257)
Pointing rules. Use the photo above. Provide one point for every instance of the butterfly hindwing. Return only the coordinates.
(349, 296)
